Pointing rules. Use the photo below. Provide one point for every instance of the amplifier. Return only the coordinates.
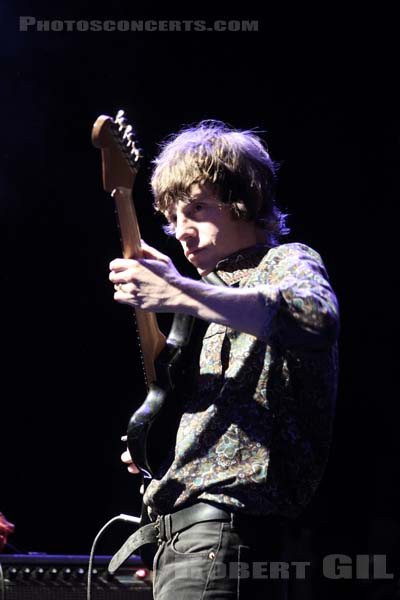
(62, 577)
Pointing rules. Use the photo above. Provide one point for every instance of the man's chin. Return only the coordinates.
(203, 272)
(200, 266)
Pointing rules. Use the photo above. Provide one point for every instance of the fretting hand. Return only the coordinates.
(149, 283)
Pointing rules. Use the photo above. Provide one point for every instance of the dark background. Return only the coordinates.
(322, 84)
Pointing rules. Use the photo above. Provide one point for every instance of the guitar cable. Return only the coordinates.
(2, 584)
(121, 517)
(213, 279)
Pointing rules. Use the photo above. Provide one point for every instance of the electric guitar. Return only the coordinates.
(121, 160)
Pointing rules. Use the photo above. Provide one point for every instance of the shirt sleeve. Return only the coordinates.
(301, 307)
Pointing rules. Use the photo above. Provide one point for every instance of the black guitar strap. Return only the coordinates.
(214, 279)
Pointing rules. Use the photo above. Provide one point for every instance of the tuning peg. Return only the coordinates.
(128, 131)
(132, 137)
(136, 154)
(120, 120)
(132, 141)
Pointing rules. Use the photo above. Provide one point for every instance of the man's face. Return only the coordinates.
(206, 230)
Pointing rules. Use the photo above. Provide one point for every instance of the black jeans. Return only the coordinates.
(217, 561)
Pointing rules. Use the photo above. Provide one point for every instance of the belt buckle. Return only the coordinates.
(160, 530)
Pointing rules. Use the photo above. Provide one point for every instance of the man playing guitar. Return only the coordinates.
(256, 417)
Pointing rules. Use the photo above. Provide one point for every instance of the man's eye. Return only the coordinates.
(195, 208)
(171, 218)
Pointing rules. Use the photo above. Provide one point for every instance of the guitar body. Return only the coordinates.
(153, 426)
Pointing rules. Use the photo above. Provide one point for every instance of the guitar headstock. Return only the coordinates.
(120, 153)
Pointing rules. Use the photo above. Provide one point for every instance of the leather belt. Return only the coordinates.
(166, 526)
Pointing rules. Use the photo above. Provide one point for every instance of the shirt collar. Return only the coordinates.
(233, 268)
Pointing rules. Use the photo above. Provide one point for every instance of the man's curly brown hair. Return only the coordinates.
(235, 163)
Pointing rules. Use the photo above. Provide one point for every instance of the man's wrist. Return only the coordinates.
(184, 297)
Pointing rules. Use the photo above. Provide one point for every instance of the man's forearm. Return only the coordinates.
(246, 310)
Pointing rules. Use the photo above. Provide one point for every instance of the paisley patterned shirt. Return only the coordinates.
(255, 433)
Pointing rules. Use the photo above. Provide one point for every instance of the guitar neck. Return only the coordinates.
(151, 339)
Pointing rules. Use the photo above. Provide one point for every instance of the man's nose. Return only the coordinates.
(184, 228)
